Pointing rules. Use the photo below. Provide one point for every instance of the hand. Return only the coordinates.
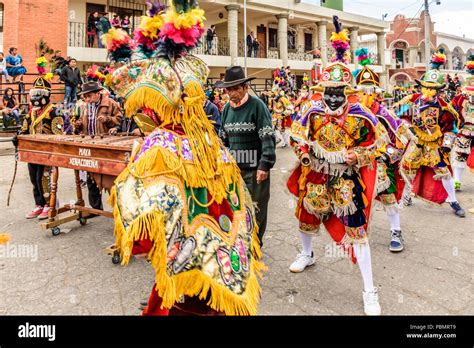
(444, 150)
(351, 158)
(261, 176)
(102, 119)
(136, 132)
(113, 131)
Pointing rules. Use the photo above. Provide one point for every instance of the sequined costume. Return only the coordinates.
(182, 200)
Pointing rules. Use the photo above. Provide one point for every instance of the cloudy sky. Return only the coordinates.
(452, 16)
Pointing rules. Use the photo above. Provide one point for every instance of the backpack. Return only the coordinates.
(103, 25)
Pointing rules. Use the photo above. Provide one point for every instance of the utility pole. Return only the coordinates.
(427, 32)
(427, 35)
(245, 37)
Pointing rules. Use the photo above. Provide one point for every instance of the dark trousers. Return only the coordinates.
(261, 195)
(36, 178)
(95, 196)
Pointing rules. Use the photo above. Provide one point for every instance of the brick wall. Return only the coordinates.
(399, 28)
(27, 21)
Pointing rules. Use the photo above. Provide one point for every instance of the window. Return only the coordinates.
(1, 17)
(291, 40)
(272, 38)
(308, 42)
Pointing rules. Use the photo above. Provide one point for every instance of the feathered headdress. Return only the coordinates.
(119, 45)
(340, 42)
(438, 59)
(41, 64)
(94, 74)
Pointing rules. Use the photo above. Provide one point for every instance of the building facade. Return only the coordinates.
(405, 41)
(289, 33)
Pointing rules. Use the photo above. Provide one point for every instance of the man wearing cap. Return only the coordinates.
(99, 114)
(247, 131)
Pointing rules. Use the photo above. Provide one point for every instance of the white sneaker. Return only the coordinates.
(371, 302)
(302, 261)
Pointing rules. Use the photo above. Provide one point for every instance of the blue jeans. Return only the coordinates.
(99, 39)
(16, 116)
(5, 73)
(209, 47)
(70, 95)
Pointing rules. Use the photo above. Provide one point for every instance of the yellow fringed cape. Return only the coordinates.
(151, 202)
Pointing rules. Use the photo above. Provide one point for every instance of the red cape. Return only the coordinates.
(333, 225)
(428, 188)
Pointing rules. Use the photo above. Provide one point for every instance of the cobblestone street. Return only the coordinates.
(72, 273)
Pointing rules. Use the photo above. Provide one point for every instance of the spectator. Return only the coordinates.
(98, 115)
(59, 62)
(92, 28)
(116, 22)
(250, 40)
(15, 66)
(254, 144)
(71, 76)
(126, 24)
(213, 114)
(3, 68)
(211, 33)
(103, 26)
(9, 106)
(256, 46)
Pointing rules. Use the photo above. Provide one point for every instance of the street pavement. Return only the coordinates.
(72, 273)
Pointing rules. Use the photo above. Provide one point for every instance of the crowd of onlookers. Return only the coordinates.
(99, 24)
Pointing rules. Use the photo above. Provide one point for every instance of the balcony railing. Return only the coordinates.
(77, 34)
(300, 54)
(218, 47)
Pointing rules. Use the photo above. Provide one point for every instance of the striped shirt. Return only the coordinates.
(92, 117)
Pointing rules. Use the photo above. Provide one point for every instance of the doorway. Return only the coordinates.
(262, 40)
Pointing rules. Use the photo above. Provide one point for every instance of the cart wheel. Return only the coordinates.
(116, 258)
(55, 231)
(83, 221)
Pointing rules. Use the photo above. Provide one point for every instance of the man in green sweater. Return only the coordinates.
(248, 133)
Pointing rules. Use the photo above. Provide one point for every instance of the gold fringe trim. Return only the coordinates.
(208, 169)
(190, 283)
(424, 138)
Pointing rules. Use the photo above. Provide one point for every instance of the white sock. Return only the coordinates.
(364, 260)
(457, 173)
(279, 136)
(286, 137)
(448, 184)
(394, 219)
(306, 243)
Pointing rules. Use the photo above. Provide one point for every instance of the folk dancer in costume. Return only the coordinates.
(281, 116)
(390, 183)
(335, 180)
(426, 160)
(43, 118)
(463, 103)
(181, 199)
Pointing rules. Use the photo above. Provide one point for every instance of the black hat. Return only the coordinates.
(90, 87)
(234, 76)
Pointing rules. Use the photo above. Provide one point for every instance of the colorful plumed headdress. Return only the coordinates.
(338, 73)
(434, 78)
(366, 79)
(95, 74)
(119, 45)
(468, 87)
(163, 84)
(42, 84)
